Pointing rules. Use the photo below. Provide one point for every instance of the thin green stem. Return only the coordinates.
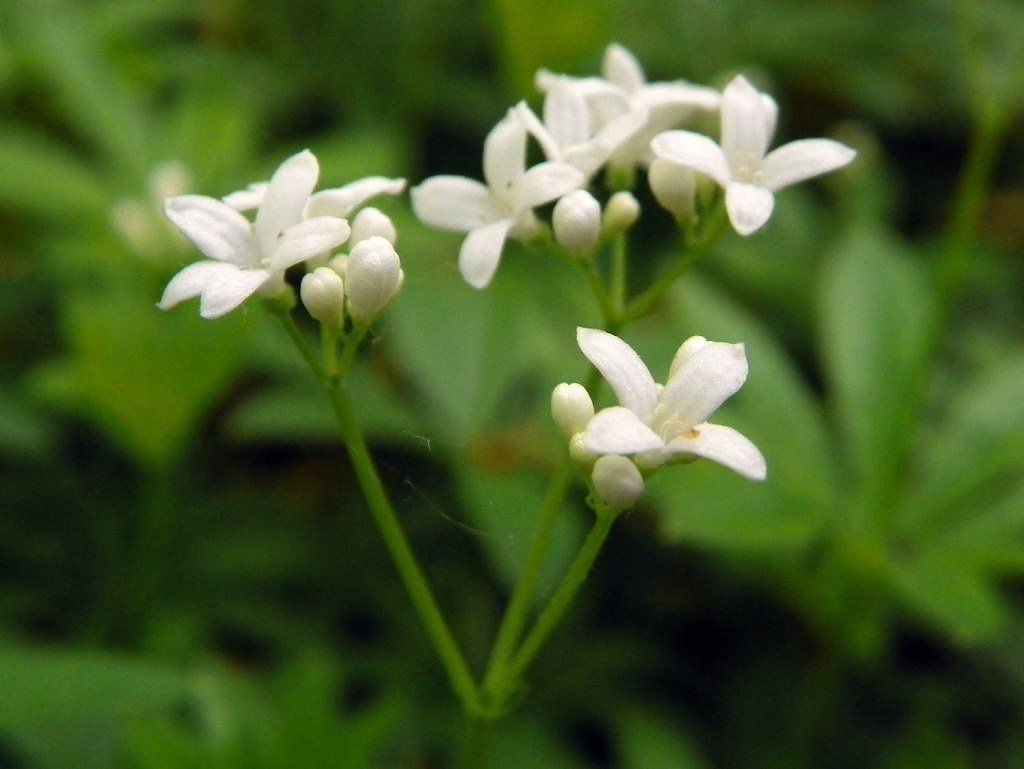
(477, 753)
(402, 556)
(522, 596)
(563, 596)
(618, 276)
(298, 338)
(604, 300)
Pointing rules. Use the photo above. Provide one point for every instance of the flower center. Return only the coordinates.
(745, 166)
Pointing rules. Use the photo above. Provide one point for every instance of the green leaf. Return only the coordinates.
(58, 688)
(648, 741)
(877, 317)
(145, 376)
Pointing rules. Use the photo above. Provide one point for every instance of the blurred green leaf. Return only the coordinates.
(877, 317)
(648, 741)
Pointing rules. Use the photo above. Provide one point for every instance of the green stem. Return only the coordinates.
(618, 276)
(477, 743)
(402, 556)
(560, 601)
(519, 605)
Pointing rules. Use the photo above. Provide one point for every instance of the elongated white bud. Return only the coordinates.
(674, 187)
(370, 222)
(373, 276)
(323, 294)
(621, 213)
(571, 408)
(617, 481)
(577, 222)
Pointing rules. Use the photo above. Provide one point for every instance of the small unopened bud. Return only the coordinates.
(621, 213)
(323, 294)
(674, 187)
(617, 481)
(571, 408)
(373, 275)
(370, 222)
(577, 222)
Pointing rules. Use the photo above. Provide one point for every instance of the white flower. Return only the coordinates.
(623, 89)
(340, 202)
(659, 424)
(742, 164)
(246, 258)
(570, 132)
(500, 209)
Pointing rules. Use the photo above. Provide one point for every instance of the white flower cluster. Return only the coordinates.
(618, 122)
(654, 424)
(292, 225)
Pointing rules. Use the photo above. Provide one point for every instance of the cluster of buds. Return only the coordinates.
(654, 425)
(292, 225)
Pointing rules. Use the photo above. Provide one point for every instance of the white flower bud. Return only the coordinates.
(579, 453)
(617, 481)
(621, 213)
(370, 222)
(577, 222)
(674, 187)
(373, 275)
(571, 408)
(323, 294)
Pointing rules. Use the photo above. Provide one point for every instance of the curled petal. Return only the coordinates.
(722, 445)
(307, 239)
(704, 380)
(222, 287)
(481, 252)
(803, 159)
(343, 201)
(543, 183)
(622, 68)
(749, 206)
(694, 151)
(453, 203)
(215, 228)
(617, 430)
(630, 379)
(285, 197)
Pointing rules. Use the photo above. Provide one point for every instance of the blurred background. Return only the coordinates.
(188, 577)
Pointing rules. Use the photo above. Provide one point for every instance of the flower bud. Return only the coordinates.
(370, 222)
(577, 222)
(674, 187)
(323, 294)
(617, 481)
(621, 213)
(571, 408)
(373, 275)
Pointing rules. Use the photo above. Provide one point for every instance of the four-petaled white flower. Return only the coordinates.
(623, 89)
(340, 202)
(658, 424)
(249, 257)
(742, 164)
(503, 208)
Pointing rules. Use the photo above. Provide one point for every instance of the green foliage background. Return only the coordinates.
(187, 574)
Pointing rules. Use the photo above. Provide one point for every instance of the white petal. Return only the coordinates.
(542, 184)
(481, 252)
(343, 201)
(566, 114)
(682, 97)
(453, 203)
(622, 68)
(749, 206)
(630, 379)
(590, 156)
(222, 286)
(694, 151)
(248, 199)
(804, 159)
(617, 430)
(551, 148)
(704, 380)
(746, 123)
(505, 154)
(307, 239)
(286, 196)
(723, 445)
(215, 228)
